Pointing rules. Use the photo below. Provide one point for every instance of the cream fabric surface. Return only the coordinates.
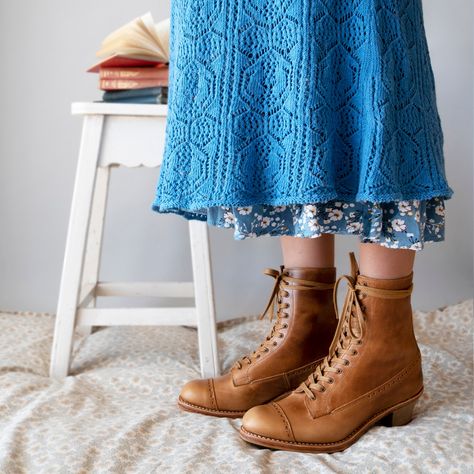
(117, 413)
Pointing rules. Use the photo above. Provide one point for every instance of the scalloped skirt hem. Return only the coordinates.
(407, 224)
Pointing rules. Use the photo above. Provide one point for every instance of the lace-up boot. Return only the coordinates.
(372, 373)
(299, 339)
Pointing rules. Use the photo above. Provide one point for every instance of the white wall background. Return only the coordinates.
(45, 48)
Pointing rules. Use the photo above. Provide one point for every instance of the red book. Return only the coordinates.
(121, 61)
(136, 73)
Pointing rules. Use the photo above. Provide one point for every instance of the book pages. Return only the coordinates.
(138, 37)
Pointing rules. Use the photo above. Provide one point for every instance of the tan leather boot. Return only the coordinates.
(298, 341)
(372, 373)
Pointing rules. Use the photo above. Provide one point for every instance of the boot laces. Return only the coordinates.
(350, 330)
(283, 281)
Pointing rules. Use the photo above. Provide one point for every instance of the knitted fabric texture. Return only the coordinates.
(299, 101)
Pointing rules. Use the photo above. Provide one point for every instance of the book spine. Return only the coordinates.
(119, 84)
(135, 73)
(124, 94)
(156, 99)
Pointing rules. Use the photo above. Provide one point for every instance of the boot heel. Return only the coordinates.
(400, 417)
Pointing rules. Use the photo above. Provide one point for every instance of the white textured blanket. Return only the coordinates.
(117, 413)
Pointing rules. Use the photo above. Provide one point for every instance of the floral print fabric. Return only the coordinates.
(400, 224)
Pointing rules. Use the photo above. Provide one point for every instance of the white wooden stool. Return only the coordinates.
(123, 135)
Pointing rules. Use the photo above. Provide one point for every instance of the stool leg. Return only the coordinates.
(75, 245)
(90, 274)
(204, 297)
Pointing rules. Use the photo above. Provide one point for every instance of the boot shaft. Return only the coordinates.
(389, 320)
(306, 322)
(380, 343)
(313, 316)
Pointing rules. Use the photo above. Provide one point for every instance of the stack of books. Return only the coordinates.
(135, 63)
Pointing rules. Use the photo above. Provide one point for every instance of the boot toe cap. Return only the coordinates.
(199, 393)
(269, 421)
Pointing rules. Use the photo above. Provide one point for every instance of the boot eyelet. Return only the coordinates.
(258, 356)
(280, 335)
(339, 370)
(285, 326)
(346, 362)
(354, 352)
(275, 343)
(331, 380)
(266, 349)
(287, 293)
(323, 389)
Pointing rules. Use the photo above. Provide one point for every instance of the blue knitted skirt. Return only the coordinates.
(304, 117)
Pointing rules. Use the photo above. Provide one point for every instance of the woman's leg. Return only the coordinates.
(308, 252)
(375, 261)
(384, 263)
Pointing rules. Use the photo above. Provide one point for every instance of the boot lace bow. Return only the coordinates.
(283, 282)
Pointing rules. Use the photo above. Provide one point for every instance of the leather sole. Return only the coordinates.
(189, 407)
(397, 415)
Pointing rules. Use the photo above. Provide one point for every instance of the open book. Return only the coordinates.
(140, 42)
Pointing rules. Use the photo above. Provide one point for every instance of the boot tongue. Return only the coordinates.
(323, 274)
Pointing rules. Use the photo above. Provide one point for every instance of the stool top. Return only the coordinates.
(108, 108)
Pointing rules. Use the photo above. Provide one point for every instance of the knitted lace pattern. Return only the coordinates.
(299, 101)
